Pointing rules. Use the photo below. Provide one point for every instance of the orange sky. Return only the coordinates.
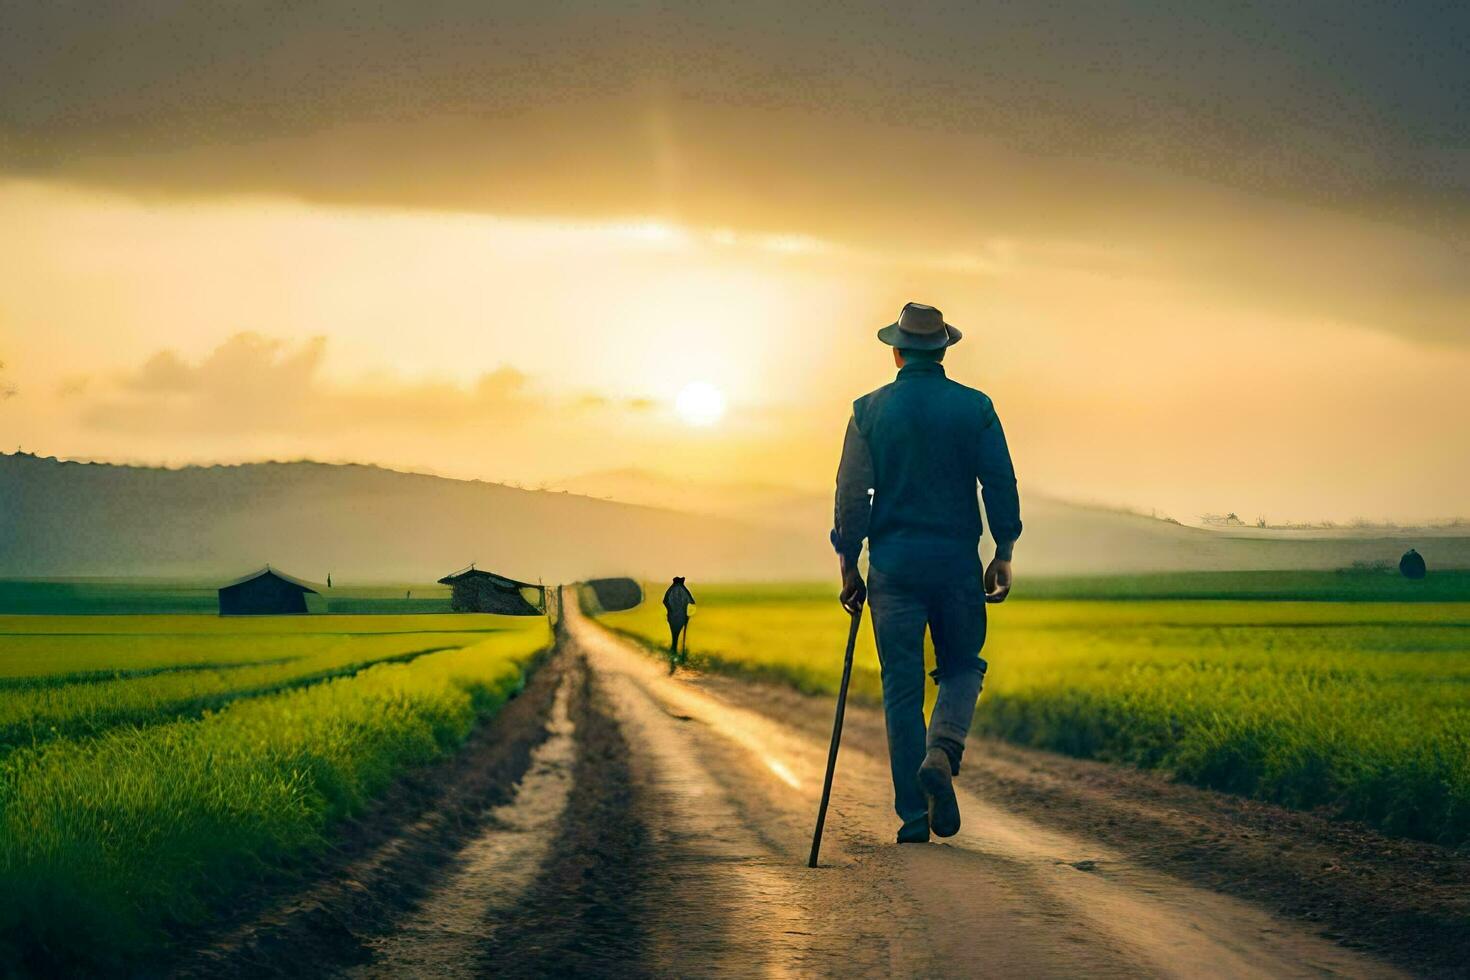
(1198, 270)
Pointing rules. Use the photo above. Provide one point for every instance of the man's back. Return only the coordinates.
(927, 441)
(677, 599)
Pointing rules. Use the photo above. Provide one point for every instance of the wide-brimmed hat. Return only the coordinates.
(919, 327)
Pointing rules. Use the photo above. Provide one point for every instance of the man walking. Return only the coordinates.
(919, 446)
(677, 600)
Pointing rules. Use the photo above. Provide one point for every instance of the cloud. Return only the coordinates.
(252, 384)
(1280, 157)
(1317, 96)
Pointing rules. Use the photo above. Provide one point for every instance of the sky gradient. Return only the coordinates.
(1204, 259)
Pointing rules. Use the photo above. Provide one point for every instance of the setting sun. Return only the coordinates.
(700, 403)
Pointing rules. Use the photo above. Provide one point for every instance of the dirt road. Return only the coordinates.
(1006, 897)
(660, 826)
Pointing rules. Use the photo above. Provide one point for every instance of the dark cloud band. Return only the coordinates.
(1198, 135)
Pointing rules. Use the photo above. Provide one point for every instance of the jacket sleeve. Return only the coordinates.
(853, 505)
(998, 485)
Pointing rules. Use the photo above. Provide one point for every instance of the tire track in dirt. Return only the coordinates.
(494, 870)
(582, 916)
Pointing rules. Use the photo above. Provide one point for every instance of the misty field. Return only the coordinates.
(1362, 708)
(151, 764)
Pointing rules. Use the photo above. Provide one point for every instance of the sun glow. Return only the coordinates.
(700, 403)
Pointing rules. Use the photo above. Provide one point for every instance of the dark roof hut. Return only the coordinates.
(476, 590)
(265, 593)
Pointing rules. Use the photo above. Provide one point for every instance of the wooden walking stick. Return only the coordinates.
(852, 633)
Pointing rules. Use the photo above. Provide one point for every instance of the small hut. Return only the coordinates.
(476, 590)
(265, 593)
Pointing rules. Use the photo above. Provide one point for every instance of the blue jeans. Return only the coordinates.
(954, 614)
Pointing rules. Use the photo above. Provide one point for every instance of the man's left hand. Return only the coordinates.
(997, 580)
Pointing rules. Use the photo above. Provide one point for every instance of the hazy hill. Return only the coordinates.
(756, 503)
(356, 522)
(364, 523)
(1072, 539)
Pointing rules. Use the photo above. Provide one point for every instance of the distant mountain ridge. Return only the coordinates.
(367, 523)
(357, 522)
(758, 503)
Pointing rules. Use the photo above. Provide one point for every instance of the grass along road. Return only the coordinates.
(153, 824)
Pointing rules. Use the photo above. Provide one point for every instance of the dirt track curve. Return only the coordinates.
(659, 827)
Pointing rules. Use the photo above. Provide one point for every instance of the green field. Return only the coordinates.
(1347, 585)
(1360, 708)
(151, 764)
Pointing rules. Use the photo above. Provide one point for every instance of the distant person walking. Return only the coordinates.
(1411, 565)
(919, 445)
(677, 600)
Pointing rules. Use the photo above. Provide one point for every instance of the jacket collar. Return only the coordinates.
(916, 369)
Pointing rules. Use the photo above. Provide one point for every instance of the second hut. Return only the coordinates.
(475, 590)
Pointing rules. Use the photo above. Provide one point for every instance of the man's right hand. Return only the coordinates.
(997, 580)
(854, 589)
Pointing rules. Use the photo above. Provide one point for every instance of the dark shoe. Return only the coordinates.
(955, 750)
(914, 832)
(937, 782)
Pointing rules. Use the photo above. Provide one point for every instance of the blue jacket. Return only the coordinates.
(920, 444)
